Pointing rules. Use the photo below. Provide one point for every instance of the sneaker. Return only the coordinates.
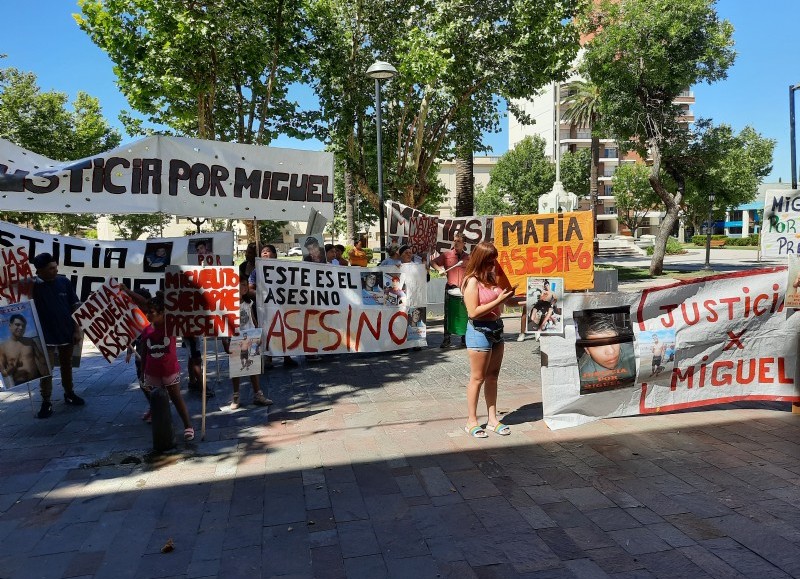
(287, 361)
(188, 434)
(521, 337)
(462, 344)
(235, 402)
(46, 411)
(73, 399)
(445, 343)
(260, 400)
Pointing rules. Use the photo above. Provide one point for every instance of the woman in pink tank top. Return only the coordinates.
(484, 300)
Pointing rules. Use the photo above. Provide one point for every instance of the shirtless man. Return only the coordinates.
(20, 357)
(658, 353)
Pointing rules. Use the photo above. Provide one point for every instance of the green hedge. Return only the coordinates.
(674, 247)
(729, 241)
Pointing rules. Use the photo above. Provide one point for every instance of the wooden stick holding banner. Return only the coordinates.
(459, 264)
(257, 236)
(203, 418)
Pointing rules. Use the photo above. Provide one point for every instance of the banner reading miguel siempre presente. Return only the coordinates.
(88, 263)
(402, 226)
(708, 341)
(172, 175)
(201, 301)
(551, 244)
(780, 232)
(307, 308)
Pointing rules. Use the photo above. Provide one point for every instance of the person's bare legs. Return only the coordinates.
(174, 391)
(490, 383)
(478, 364)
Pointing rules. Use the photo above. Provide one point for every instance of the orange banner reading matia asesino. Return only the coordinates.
(551, 244)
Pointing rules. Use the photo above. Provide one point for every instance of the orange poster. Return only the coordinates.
(557, 244)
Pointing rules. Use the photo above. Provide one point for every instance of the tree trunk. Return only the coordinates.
(250, 230)
(670, 219)
(465, 185)
(350, 205)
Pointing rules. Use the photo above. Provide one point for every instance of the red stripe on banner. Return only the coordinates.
(696, 404)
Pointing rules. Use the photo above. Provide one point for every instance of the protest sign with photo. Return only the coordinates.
(417, 329)
(543, 299)
(706, 341)
(793, 282)
(313, 246)
(175, 176)
(604, 349)
(308, 308)
(781, 222)
(201, 301)
(551, 244)
(88, 263)
(110, 319)
(22, 350)
(245, 353)
(16, 275)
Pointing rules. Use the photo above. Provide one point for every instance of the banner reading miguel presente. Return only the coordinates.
(707, 341)
(308, 308)
(551, 244)
(172, 175)
(88, 263)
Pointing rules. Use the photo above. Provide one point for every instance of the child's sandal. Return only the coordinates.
(188, 434)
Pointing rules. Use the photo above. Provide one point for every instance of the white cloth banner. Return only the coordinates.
(713, 340)
(88, 263)
(201, 301)
(172, 175)
(307, 308)
(780, 231)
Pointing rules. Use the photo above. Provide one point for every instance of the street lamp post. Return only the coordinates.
(380, 70)
(709, 227)
(792, 144)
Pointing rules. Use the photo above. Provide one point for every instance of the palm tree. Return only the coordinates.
(581, 107)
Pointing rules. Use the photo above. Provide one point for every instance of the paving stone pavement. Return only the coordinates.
(361, 469)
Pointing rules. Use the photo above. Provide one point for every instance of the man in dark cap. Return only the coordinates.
(55, 300)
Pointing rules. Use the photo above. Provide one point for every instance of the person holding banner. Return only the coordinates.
(55, 300)
(357, 256)
(452, 263)
(393, 253)
(484, 300)
(249, 263)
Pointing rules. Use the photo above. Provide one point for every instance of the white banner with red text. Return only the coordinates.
(315, 309)
(172, 175)
(201, 301)
(712, 340)
(88, 263)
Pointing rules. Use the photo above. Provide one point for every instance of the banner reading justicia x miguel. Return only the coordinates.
(712, 340)
(308, 308)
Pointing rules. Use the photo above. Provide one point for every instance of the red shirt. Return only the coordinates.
(161, 357)
(448, 259)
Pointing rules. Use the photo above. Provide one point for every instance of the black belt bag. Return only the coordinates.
(492, 329)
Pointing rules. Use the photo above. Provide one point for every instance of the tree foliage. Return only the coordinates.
(643, 55)
(522, 175)
(44, 122)
(633, 195)
(134, 225)
(581, 106)
(576, 170)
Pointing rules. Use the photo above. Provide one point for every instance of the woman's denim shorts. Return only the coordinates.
(475, 340)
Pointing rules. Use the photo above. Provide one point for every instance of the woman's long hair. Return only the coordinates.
(481, 264)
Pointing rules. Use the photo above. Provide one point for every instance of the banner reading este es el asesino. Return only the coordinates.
(550, 244)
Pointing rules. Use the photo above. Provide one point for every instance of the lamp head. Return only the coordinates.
(381, 70)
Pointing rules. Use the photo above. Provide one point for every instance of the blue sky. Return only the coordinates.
(41, 36)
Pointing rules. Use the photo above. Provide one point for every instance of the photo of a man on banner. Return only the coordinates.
(22, 350)
(604, 349)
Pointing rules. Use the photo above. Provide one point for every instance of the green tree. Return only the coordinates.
(633, 195)
(219, 70)
(522, 175)
(581, 107)
(575, 170)
(43, 122)
(490, 202)
(453, 57)
(133, 226)
(643, 55)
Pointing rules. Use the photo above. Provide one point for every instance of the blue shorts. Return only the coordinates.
(476, 340)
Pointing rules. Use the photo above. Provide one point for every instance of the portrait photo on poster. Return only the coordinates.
(23, 354)
(394, 289)
(656, 356)
(416, 324)
(604, 349)
(792, 299)
(371, 289)
(543, 298)
(245, 353)
(313, 247)
(157, 256)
